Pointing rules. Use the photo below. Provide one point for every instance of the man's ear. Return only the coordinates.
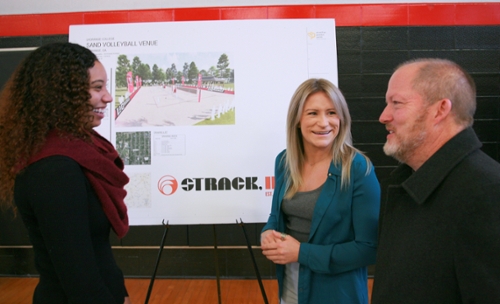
(442, 109)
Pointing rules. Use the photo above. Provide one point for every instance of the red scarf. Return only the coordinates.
(102, 166)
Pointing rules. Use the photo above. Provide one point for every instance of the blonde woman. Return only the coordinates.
(322, 230)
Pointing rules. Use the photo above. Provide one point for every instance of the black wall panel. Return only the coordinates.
(366, 58)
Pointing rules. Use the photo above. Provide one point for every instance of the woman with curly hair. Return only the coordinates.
(66, 181)
(322, 230)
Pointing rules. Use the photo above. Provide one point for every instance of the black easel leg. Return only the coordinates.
(217, 265)
(262, 290)
(157, 261)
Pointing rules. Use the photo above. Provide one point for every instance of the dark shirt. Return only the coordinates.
(439, 229)
(70, 234)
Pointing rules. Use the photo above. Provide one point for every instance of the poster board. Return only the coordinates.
(200, 109)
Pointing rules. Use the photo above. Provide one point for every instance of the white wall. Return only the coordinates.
(12, 7)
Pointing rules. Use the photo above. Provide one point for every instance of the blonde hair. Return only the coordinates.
(343, 151)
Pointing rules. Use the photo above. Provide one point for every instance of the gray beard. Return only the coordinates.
(404, 150)
(407, 146)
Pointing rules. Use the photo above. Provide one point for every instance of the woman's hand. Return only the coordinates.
(279, 247)
(266, 237)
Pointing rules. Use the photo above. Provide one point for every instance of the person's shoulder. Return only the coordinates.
(480, 165)
(281, 154)
(360, 161)
(55, 161)
(51, 165)
(280, 157)
(359, 157)
(49, 172)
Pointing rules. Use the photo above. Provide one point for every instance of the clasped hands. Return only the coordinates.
(279, 247)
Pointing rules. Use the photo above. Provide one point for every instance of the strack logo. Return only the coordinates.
(167, 185)
(222, 184)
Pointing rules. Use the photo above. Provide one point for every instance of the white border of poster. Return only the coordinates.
(200, 109)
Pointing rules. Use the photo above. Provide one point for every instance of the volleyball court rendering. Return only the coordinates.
(167, 105)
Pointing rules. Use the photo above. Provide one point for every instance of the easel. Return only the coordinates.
(153, 277)
(262, 290)
(157, 261)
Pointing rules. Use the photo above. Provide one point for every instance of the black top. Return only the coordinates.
(70, 234)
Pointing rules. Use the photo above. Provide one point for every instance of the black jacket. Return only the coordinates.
(439, 231)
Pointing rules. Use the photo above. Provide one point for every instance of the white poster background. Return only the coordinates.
(211, 174)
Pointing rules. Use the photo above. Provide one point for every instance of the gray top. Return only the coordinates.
(299, 212)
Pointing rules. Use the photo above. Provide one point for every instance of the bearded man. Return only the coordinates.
(439, 228)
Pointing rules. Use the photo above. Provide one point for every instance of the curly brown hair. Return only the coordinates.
(48, 90)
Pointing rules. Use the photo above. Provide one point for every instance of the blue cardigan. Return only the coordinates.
(343, 236)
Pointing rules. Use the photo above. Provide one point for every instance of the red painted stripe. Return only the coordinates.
(477, 13)
(441, 14)
(435, 14)
(344, 15)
